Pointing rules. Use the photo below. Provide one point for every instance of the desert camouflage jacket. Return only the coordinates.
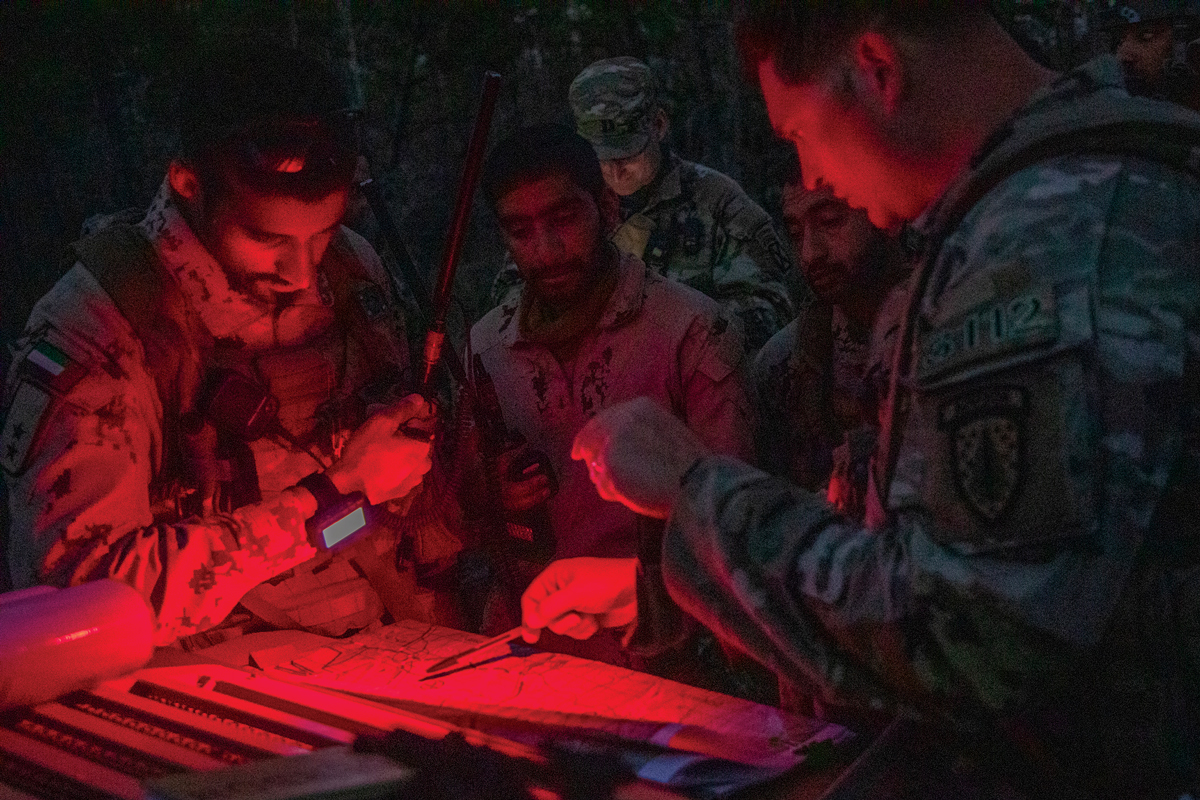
(1037, 573)
(93, 417)
(654, 339)
(698, 227)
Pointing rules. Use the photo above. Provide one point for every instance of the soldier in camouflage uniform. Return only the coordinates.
(1029, 576)
(816, 383)
(591, 327)
(1158, 45)
(684, 220)
(238, 300)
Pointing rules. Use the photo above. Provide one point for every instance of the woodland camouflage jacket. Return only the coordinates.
(1036, 572)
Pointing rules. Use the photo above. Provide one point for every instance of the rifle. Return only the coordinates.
(433, 305)
(412, 276)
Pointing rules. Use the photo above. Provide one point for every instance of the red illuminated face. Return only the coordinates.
(844, 143)
(272, 245)
(555, 233)
(268, 245)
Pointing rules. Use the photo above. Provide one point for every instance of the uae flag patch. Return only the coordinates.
(44, 372)
(50, 367)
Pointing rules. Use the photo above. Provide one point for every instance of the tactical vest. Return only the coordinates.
(368, 365)
(641, 236)
(180, 354)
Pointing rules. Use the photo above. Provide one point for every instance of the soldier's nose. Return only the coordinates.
(295, 269)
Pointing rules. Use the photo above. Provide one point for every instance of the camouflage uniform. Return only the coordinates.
(1036, 573)
(654, 339)
(90, 447)
(816, 406)
(692, 223)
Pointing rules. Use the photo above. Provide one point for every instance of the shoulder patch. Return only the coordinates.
(987, 442)
(24, 417)
(988, 330)
(51, 368)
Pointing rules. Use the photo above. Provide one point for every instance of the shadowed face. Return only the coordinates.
(1144, 50)
(626, 175)
(839, 248)
(554, 230)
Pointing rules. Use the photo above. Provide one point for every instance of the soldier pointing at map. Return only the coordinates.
(1028, 576)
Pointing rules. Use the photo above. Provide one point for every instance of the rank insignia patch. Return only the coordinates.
(987, 444)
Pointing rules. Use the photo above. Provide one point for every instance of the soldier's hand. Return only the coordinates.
(578, 596)
(636, 454)
(379, 460)
(522, 495)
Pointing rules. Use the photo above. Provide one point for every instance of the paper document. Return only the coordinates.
(716, 743)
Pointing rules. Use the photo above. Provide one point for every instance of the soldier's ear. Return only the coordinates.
(661, 124)
(184, 181)
(879, 71)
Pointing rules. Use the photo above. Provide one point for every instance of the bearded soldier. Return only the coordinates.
(212, 383)
(684, 220)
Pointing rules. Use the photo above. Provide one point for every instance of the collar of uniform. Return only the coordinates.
(670, 186)
(226, 313)
(626, 301)
(622, 307)
(1102, 72)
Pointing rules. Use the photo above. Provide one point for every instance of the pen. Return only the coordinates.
(504, 638)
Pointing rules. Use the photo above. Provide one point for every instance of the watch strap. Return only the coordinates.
(322, 489)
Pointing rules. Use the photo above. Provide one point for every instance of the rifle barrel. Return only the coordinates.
(458, 227)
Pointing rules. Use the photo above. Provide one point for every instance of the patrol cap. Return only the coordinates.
(614, 103)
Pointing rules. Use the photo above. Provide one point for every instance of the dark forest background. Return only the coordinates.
(85, 102)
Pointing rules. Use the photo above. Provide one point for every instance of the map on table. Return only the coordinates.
(524, 694)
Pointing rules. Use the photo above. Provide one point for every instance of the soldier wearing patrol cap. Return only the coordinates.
(1158, 45)
(686, 221)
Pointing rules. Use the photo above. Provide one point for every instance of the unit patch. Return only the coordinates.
(989, 330)
(986, 437)
(21, 425)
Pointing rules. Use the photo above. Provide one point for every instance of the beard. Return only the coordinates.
(835, 282)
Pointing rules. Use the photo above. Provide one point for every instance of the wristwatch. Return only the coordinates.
(341, 519)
